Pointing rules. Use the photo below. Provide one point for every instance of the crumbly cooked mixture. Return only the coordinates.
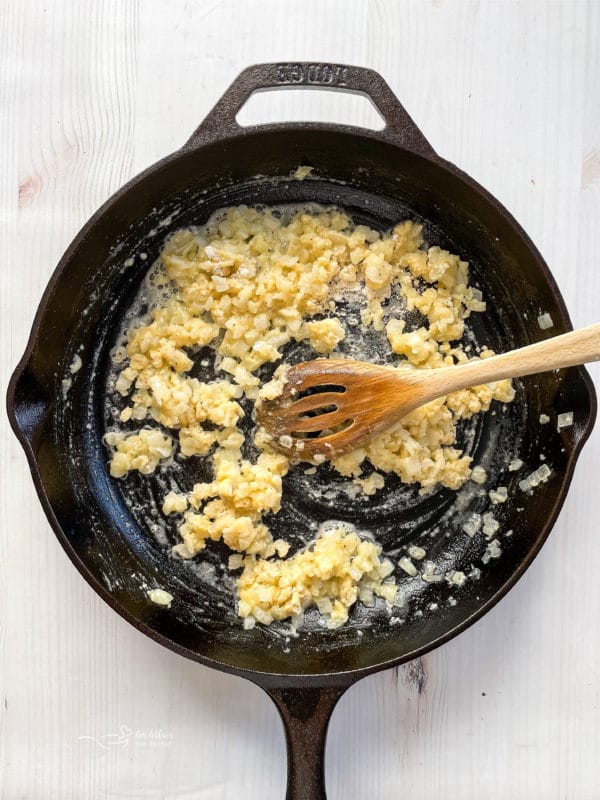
(141, 451)
(331, 573)
(245, 285)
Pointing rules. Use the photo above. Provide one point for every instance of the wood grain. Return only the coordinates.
(90, 93)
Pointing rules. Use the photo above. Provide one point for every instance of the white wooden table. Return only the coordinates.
(92, 92)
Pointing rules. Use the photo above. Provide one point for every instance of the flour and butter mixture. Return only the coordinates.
(245, 285)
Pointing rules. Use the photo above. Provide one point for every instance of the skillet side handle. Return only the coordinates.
(28, 407)
(305, 714)
(400, 128)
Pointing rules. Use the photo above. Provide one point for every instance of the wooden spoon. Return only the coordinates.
(353, 401)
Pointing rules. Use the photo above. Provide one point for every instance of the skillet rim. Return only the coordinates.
(275, 679)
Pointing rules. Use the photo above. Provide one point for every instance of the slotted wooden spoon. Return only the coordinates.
(350, 401)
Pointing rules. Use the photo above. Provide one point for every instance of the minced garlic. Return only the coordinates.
(141, 451)
(245, 285)
(325, 334)
(330, 573)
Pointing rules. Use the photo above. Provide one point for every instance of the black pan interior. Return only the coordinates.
(107, 524)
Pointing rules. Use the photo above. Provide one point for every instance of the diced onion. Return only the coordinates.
(479, 475)
(429, 574)
(545, 321)
(160, 597)
(407, 565)
(564, 420)
(472, 525)
(498, 495)
(456, 578)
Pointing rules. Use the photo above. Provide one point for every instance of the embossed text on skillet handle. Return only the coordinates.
(315, 74)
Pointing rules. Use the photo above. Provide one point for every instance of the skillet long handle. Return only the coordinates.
(566, 350)
(305, 713)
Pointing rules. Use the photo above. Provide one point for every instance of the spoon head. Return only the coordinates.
(329, 407)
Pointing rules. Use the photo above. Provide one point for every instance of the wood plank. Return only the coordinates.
(92, 93)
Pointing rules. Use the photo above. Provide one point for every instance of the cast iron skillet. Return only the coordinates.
(108, 528)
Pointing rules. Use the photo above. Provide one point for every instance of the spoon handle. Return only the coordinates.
(566, 350)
